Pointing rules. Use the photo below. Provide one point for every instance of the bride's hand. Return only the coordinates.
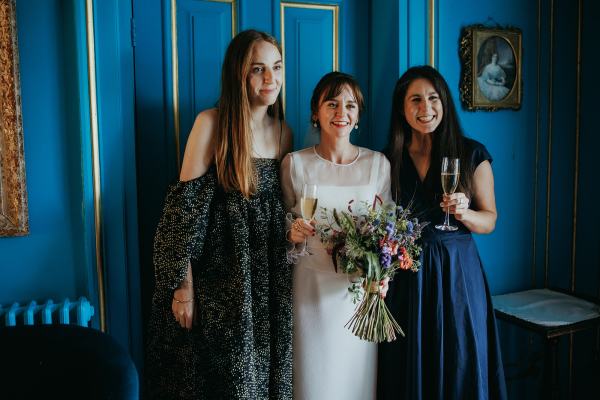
(382, 287)
(301, 230)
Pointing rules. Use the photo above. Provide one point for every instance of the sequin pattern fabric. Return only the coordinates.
(240, 347)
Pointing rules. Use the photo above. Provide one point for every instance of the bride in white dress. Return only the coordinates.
(330, 363)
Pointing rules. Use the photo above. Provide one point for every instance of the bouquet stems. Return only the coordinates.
(372, 320)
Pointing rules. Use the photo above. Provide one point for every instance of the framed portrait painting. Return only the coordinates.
(13, 195)
(491, 68)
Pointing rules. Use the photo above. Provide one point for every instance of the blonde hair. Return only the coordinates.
(233, 139)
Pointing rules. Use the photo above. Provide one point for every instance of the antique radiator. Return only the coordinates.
(67, 312)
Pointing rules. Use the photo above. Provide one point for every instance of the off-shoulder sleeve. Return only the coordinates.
(182, 228)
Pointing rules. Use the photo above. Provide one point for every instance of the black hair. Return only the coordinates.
(447, 140)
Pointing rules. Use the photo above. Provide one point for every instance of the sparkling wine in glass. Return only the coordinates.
(308, 201)
(308, 204)
(450, 176)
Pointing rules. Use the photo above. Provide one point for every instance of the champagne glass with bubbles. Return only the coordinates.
(450, 177)
(308, 204)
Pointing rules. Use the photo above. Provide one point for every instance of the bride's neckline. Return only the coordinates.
(334, 163)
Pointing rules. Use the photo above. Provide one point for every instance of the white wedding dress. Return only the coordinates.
(330, 363)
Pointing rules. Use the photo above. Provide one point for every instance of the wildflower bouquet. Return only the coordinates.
(370, 248)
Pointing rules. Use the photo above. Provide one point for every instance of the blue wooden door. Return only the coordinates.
(204, 29)
(179, 48)
(309, 38)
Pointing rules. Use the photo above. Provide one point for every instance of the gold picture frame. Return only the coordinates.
(13, 194)
(491, 68)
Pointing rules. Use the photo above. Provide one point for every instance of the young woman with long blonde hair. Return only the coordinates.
(221, 321)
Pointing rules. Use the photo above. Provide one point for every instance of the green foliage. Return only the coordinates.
(370, 247)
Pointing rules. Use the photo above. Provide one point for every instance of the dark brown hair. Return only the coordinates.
(330, 86)
(448, 138)
(233, 141)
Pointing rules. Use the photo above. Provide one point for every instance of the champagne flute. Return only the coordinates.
(450, 176)
(308, 205)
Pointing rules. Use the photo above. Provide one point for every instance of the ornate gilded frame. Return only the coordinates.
(13, 194)
(477, 90)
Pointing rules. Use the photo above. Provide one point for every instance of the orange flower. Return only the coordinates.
(406, 261)
(394, 248)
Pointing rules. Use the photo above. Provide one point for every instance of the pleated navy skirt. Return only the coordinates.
(451, 349)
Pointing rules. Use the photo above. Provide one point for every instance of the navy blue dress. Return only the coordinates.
(451, 349)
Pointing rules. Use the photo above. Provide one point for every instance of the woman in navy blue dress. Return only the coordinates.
(451, 348)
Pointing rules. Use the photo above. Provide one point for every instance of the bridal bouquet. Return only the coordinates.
(370, 248)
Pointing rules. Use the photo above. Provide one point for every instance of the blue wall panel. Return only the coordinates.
(510, 136)
(385, 60)
(417, 28)
(309, 49)
(544, 109)
(563, 121)
(114, 77)
(155, 141)
(588, 213)
(203, 33)
(355, 59)
(257, 14)
(51, 261)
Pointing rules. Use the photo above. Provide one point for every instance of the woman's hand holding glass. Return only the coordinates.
(304, 227)
(456, 204)
(301, 230)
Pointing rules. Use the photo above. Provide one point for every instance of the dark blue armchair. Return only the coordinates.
(64, 362)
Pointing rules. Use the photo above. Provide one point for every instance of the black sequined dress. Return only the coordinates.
(240, 347)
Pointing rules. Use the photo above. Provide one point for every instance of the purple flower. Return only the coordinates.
(385, 260)
(389, 228)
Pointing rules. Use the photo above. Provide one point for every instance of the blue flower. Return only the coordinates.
(409, 226)
(389, 228)
(376, 222)
(385, 260)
